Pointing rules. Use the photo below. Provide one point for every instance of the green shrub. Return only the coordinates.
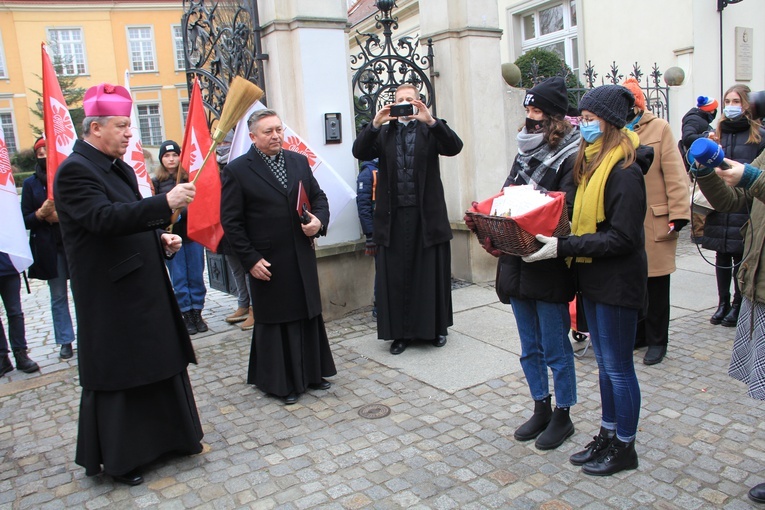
(548, 64)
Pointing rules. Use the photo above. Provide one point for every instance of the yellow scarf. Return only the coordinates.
(590, 203)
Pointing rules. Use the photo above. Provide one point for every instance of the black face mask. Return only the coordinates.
(42, 163)
(631, 115)
(533, 126)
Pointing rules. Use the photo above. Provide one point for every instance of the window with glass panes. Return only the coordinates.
(180, 62)
(150, 123)
(3, 72)
(552, 26)
(184, 113)
(141, 46)
(6, 121)
(67, 45)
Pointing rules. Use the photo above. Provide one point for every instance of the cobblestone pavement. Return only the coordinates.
(701, 440)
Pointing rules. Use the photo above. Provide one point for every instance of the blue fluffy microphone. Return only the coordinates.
(704, 152)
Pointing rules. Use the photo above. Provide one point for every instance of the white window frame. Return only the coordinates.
(184, 108)
(569, 35)
(11, 143)
(180, 61)
(3, 68)
(56, 50)
(146, 140)
(143, 49)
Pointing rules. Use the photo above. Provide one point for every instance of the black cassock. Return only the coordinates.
(414, 299)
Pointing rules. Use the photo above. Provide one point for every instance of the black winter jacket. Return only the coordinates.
(430, 142)
(546, 280)
(695, 125)
(618, 273)
(44, 238)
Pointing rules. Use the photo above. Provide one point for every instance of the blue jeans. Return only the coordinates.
(543, 328)
(612, 330)
(10, 292)
(241, 280)
(187, 274)
(59, 304)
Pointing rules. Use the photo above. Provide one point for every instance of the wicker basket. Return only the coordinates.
(508, 237)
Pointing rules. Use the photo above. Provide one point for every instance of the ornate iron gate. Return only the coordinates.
(381, 65)
(656, 94)
(221, 40)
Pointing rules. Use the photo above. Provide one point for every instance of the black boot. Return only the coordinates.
(559, 429)
(23, 362)
(731, 318)
(538, 421)
(595, 449)
(722, 310)
(199, 322)
(188, 320)
(5, 365)
(620, 456)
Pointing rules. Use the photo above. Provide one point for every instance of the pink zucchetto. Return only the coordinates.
(107, 100)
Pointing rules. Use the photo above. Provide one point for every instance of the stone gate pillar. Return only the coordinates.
(306, 76)
(470, 97)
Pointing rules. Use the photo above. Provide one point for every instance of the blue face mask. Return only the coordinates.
(590, 130)
(732, 112)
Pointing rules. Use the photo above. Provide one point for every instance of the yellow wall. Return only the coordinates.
(23, 26)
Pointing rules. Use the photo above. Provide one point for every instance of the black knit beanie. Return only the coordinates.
(168, 146)
(549, 96)
(609, 102)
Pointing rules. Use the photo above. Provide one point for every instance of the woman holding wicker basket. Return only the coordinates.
(607, 247)
(539, 292)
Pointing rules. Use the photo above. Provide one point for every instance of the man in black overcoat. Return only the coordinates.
(273, 238)
(411, 224)
(136, 402)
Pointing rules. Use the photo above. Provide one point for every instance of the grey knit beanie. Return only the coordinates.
(609, 102)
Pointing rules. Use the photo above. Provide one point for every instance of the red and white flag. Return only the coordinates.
(134, 154)
(203, 220)
(13, 234)
(339, 194)
(58, 126)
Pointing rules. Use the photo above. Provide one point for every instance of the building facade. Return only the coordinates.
(96, 42)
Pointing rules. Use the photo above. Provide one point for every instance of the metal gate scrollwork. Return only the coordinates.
(381, 65)
(221, 40)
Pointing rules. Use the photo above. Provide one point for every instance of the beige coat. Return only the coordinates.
(666, 191)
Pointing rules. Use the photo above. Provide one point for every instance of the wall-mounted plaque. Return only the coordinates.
(744, 49)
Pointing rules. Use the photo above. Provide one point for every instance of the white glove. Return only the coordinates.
(549, 250)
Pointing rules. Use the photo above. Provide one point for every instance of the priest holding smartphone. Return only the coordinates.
(411, 224)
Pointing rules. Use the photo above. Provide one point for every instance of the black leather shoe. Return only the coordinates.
(23, 362)
(538, 421)
(440, 341)
(722, 310)
(731, 318)
(188, 320)
(620, 456)
(66, 351)
(5, 365)
(130, 478)
(323, 385)
(398, 346)
(199, 322)
(594, 450)
(558, 430)
(654, 354)
(757, 493)
(290, 399)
